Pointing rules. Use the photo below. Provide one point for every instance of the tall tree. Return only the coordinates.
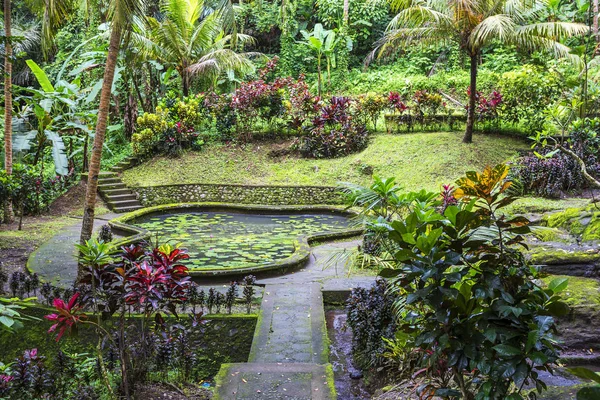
(8, 214)
(473, 25)
(122, 13)
(191, 39)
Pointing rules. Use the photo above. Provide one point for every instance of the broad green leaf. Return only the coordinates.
(585, 373)
(315, 43)
(506, 350)
(589, 393)
(559, 309)
(41, 76)
(94, 92)
(7, 321)
(558, 285)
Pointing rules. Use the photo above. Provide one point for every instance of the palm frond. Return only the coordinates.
(122, 12)
(496, 27)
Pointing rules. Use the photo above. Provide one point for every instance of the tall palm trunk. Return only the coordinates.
(185, 79)
(319, 80)
(595, 20)
(468, 138)
(346, 12)
(8, 212)
(103, 111)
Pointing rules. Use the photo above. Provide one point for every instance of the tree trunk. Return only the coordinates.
(319, 84)
(92, 184)
(595, 19)
(468, 138)
(346, 12)
(185, 80)
(8, 211)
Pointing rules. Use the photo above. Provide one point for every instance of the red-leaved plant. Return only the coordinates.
(67, 317)
(147, 281)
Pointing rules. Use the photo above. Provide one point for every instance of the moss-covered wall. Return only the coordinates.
(222, 339)
(238, 194)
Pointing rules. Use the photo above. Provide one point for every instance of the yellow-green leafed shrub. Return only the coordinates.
(187, 112)
(148, 131)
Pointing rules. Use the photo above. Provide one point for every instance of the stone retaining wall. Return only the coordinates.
(238, 194)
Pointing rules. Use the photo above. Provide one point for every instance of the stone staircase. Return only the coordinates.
(289, 355)
(114, 192)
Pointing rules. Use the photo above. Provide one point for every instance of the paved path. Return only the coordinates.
(291, 328)
(55, 261)
(289, 358)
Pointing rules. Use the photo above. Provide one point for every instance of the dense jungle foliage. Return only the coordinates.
(459, 310)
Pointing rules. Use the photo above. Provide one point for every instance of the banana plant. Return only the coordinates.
(323, 43)
(54, 108)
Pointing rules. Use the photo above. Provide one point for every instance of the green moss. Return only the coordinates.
(36, 231)
(220, 378)
(562, 219)
(410, 158)
(546, 234)
(330, 381)
(534, 205)
(548, 256)
(581, 292)
(592, 230)
(572, 219)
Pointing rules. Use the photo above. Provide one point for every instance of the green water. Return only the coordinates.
(217, 240)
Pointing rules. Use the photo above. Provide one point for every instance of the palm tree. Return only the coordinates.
(7, 101)
(191, 40)
(122, 12)
(54, 14)
(474, 24)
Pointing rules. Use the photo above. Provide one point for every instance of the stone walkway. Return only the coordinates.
(289, 358)
(55, 261)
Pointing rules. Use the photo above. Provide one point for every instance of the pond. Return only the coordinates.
(228, 240)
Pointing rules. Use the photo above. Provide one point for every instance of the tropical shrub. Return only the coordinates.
(371, 319)
(149, 128)
(268, 100)
(149, 281)
(549, 172)
(334, 133)
(174, 126)
(527, 92)
(427, 103)
(368, 107)
(467, 297)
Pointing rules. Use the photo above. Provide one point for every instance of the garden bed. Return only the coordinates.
(222, 338)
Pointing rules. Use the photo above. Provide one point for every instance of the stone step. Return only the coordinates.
(116, 192)
(126, 209)
(101, 175)
(105, 181)
(294, 381)
(111, 186)
(113, 198)
(125, 203)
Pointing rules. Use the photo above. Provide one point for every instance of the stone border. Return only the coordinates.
(238, 193)
(294, 261)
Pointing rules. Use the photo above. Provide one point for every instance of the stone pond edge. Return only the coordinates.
(295, 261)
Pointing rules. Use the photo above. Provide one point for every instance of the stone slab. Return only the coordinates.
(291, 326)
(277, 381)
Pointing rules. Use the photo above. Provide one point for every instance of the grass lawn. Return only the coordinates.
(417, 160)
